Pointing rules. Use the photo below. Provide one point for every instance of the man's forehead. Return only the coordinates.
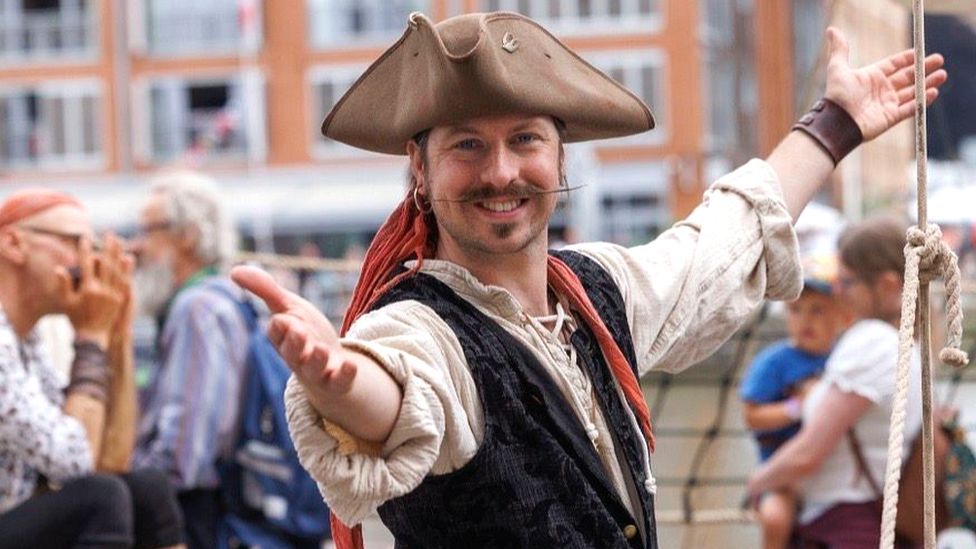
(154, 208)
(508, 122)
(64, 217)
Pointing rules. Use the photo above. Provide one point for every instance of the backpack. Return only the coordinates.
(955, 481)
(270, 501)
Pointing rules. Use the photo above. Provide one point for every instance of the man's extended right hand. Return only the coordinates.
(304, 338)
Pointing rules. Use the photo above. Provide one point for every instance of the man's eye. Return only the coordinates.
(525, 138)
(467, 144)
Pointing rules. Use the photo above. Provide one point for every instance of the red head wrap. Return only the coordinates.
(23, 204)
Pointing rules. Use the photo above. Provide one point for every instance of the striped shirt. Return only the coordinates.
(36, 436)
(191, 406)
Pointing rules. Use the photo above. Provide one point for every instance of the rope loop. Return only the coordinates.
(935, 259)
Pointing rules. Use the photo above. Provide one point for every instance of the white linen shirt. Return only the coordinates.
(685, 293)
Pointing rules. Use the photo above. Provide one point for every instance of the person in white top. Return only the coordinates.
(484, 392)
(841, 508)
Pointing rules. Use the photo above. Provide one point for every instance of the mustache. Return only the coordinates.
(512, 191)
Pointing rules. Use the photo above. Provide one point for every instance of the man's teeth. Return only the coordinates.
(501, 206)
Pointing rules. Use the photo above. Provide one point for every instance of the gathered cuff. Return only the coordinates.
(355, 477)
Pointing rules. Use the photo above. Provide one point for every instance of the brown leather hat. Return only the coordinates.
(476, 65)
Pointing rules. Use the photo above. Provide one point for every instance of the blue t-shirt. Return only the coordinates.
(774, 373)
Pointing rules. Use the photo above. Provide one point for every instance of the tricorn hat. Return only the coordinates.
(476, 65)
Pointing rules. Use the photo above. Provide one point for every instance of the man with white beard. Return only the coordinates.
(191, 407)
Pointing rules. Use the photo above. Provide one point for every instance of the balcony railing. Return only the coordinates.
(47, 34)
(183, 27)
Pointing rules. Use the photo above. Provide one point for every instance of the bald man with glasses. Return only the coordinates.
(65, 451)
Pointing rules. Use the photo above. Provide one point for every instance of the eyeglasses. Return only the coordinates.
(73, 239)
(149, 228)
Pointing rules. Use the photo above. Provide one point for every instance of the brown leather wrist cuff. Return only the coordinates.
(832, 128)
(89, 372)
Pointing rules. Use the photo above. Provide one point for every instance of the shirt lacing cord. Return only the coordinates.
(563, 326)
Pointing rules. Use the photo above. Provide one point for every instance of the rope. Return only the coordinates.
(926, 256)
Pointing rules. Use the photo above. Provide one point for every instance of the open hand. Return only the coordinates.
(881, 94)
(303, 337)
(95, 304)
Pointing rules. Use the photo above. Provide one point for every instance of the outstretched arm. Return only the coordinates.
(347, 388)
(877, 97)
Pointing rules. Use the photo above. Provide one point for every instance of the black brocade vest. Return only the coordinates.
(536, 481)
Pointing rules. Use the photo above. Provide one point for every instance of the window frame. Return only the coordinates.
(253, 118)
(373, 38)
(321, 148)
(627, 22)
(657, 58)
(76, 89)
(90, 22)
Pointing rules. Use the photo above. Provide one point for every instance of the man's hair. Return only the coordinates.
(874, 246)
(193, 205)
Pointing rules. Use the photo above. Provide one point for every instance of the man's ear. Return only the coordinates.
(417, 165)
(13, 248)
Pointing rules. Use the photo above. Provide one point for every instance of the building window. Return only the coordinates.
(58, 125)
(178, 27)
(642, 72)
(329, 84)
(336, 23)
(32, 29)
(205, 119)
(572, 15)
(730, 99)
(634, 202)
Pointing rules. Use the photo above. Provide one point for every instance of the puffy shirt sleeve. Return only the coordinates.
(864, 360)
(434, 432)
(690, 289)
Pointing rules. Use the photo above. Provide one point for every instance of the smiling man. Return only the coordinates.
(484, 390)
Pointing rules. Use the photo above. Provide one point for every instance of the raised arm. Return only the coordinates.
(877, 97)
(93, 306)
(347, 388)
(121, 414)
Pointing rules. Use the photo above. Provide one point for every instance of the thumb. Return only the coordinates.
(66, 285)
(839, 48)
(262, 285)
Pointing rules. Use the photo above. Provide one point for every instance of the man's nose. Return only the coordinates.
(501, 167)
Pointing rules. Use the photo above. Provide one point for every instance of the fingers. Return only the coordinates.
(262, 285)
(933, 80)
(906, 75)
(85, 260)
(838, 47)
(316, 364)
(66, 284)
(907, 109)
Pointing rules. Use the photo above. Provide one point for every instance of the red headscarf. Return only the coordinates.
(23, 204)
(404, 236)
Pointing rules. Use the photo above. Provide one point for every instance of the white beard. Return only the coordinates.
(153, 285)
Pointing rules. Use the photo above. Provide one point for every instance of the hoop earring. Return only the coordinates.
(419, 205)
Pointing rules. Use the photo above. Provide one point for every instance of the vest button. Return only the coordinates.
(630, 531)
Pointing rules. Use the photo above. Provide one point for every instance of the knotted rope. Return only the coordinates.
(926, 257)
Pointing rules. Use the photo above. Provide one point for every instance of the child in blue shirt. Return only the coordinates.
(774, 386)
